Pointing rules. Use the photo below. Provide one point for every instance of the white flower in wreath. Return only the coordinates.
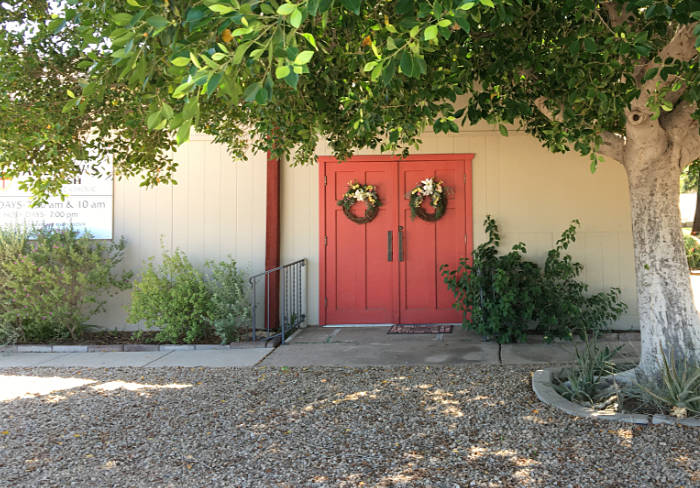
(359, 195)
(427, 187)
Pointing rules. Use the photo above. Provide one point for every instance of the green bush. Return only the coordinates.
(498, 292)
(564, 309)
(53, 282)
(692, 251)
(187, 305)
(502, 297)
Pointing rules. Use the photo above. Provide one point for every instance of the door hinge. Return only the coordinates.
(465, 239)
(465, 178)
(325, 240)
(325, 180)
(326, 301)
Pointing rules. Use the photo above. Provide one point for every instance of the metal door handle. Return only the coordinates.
(389, 246)
(400, 243)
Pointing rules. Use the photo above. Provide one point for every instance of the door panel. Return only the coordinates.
(361, 282)
(424, 297)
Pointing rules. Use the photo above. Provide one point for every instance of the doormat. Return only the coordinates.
(420, 329)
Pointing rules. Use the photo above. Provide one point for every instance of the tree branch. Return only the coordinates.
(683, 131)
(612, 146)
(541, 104)
(681, 47)
(616, 18)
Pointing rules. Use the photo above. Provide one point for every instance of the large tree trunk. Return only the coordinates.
(667, 314)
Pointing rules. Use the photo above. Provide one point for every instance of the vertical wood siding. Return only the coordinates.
(216, 210)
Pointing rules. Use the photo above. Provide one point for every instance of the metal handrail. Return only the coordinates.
(292, 296)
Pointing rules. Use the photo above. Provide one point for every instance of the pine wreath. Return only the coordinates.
(428, 188)
(360, 193)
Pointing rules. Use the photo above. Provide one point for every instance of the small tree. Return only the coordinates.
(614, 78)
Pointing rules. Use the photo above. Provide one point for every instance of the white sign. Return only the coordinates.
(87, 205)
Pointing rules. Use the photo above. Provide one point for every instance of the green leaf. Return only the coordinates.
(369, 66)
(218, 56)
(282, 71)
(431, 32)
(295, 18)
(251, 91)
(133, 3)
(181, 61)
(240, 52)
(183, 133)
(487, 3)
(503, 130)
(408, 65)
(650, 73)
(222, 9)
(310, 38)
(292, 80)
(182, 89)
(158, 21)
(213, 83)
(352, 5)
(303, 57)
(154, 119)
(70, 93)
(122, 19)
(286, 8)
(467, 5)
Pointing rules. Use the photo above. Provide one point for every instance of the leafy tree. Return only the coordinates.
(613, 78)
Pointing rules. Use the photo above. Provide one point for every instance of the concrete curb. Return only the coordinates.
(48, 348)
(543, 388)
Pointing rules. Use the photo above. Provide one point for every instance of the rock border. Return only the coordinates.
(132, 347)
(544, 389)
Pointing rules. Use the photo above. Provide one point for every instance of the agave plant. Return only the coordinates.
(678, 392)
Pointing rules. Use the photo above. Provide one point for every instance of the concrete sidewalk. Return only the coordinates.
(372, 346)
(328, 346)
(228, 358)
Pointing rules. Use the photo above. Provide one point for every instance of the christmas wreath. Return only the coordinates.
(360, 193)
(435, 191)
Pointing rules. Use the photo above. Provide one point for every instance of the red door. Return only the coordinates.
(361, 283)
(424, 297)
(366, 277)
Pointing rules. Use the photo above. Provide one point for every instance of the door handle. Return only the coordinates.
(389, 246)
(400, 243)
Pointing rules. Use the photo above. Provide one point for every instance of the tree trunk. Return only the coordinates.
(667, 314)
(696, 220)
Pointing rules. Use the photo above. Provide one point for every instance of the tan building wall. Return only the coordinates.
(216, 210)
(532, 193)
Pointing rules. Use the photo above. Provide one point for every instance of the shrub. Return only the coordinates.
(692, 251)
(230, 309)
(502, 296)
(498, 292)
(54, 282)
(563, 308)
(188, 305)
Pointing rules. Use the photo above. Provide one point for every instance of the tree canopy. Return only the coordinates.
(130, 79)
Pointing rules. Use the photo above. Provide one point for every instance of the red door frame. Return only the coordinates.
(324, 160)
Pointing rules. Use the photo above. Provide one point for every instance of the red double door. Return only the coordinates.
(388, 270)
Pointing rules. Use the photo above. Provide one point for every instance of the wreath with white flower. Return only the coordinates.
(360, 193)
(435, 191)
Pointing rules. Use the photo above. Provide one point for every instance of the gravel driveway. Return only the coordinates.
(401, 426)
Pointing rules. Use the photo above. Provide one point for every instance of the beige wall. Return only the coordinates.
(532, 193)
(217, 209)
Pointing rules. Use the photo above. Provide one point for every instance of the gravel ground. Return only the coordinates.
(401, 426)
